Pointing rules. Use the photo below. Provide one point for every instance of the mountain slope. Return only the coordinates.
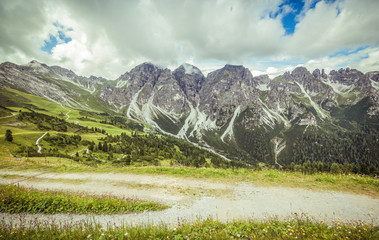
(277, 121)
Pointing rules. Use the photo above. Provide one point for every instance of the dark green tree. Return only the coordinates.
(105, 147)
(8, 135)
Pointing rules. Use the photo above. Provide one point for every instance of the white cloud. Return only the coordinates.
(330, 27)
(111, 37)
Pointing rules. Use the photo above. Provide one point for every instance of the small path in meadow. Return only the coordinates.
(86, 149)
(12, 115)
(68, 116)
(39, 147)
(195, 198)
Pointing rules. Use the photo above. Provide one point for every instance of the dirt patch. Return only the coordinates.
(192, 198)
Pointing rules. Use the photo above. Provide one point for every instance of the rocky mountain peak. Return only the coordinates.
(231, 74)
(147, 68)
(262, 79)
(189, 69)
(190, 79)
(300, 73)
(319, 74)
(346, 76)
(63, 71)
(38, 67)
(10, 65)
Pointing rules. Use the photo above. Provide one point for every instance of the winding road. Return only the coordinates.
(191, 199)
(39, 147)
(68, 116)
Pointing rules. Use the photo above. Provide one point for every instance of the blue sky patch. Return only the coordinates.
(348, 51)
(291, 18)
(59, 38)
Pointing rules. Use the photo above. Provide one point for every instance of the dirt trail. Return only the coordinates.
(12, 115)
(192, 198)
(39, 147)
(68, 116)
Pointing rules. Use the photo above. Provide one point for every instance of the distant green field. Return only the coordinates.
(26, 134)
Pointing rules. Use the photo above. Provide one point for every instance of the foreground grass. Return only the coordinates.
(352, 183)
(14, 199)
(207, 229)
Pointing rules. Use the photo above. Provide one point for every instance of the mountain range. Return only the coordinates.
(296, 117)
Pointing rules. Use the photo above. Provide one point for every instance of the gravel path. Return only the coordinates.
(192, 198)
(39, 147)
(12, 115)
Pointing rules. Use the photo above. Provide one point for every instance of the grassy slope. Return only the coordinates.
(20, 200)
(28, 134)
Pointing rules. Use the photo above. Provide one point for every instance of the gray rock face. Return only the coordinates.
(190, 80)
(30, 79)
(224, 90)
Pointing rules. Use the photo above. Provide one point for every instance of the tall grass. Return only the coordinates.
(207, 229)
(15, 199)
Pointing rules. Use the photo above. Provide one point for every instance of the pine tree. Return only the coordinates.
(8, 135)
(105, 147)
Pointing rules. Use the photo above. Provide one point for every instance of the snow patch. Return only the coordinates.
(272, 115)
(263, 87)
(279, 145)
(37, 67)
(374, 84)
(203, 123)
(190, 120)
(314, 105)
(177, 97)
(189, 69)
(338, 87)
(122, 83)
(229, 130)
(88, 88)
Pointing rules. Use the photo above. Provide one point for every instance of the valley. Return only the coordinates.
(216, 148)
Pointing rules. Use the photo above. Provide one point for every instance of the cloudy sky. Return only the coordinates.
(108, 37)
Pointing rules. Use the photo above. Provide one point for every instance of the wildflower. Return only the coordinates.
(89, 235)
(126, 234)
(102, 234)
